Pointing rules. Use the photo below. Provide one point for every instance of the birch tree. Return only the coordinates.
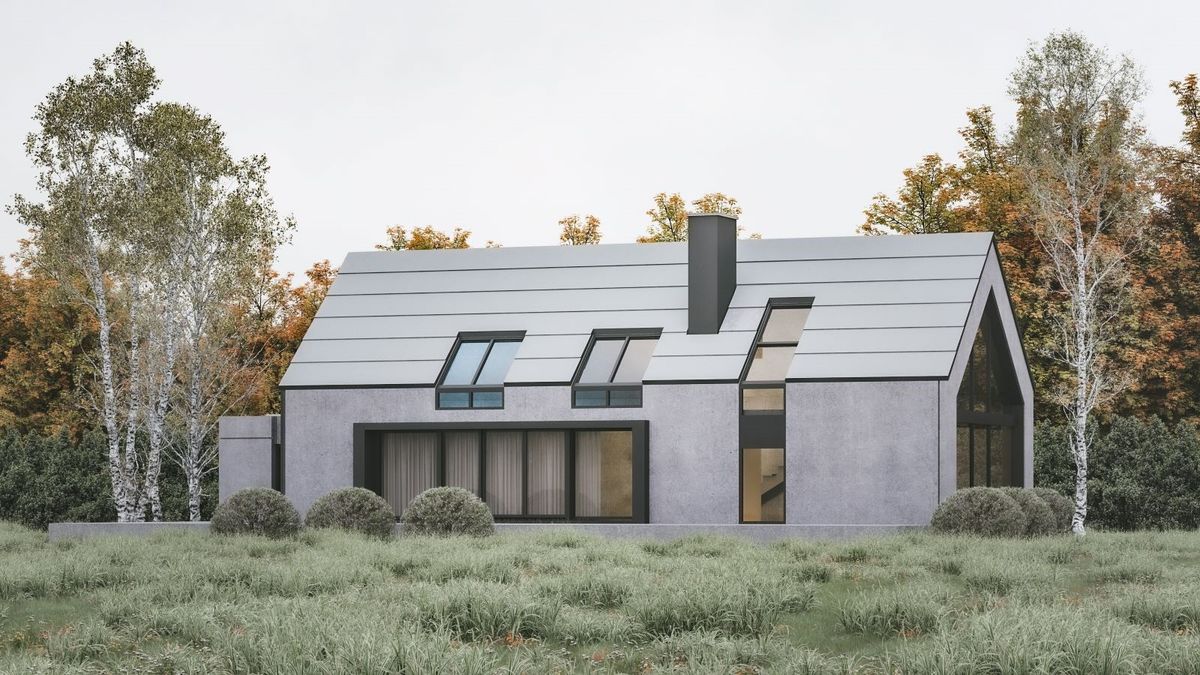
(89, 234)
(1076, 140)
(223, 220)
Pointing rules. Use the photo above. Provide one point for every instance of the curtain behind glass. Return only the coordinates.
(504, 472)
(547, 473)
(409, 466)
(462, 460)
(603, 474)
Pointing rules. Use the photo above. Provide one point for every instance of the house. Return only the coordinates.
(847, 381)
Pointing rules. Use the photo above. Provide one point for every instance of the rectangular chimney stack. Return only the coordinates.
(712, 270)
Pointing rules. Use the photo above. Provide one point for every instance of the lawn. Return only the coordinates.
(559, 602)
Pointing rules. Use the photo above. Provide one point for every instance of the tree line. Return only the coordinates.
(145, 303)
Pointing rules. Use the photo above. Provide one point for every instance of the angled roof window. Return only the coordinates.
(610, 375)
(771, 357)
(473, 376)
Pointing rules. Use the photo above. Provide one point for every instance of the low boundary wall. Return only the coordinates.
(757, 533)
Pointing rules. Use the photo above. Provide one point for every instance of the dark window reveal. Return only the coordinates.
(989, 411)
(531, 474)
(474, 374)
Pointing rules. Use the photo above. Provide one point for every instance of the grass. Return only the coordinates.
(561, 602)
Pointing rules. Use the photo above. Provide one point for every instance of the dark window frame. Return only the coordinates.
(368, 461)
(491, 338)
(772, 304)
(628, 335)
(742, 486)
(1003, 413)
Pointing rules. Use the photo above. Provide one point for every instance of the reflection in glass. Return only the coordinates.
(770, 364)
(634, 362)
(498, 362)
(466, 363)
(785, 324)
(603, 474)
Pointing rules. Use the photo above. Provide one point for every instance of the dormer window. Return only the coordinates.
(610, 372)
(774, 346)
(473, 376)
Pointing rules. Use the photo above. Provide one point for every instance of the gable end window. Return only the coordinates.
(610, 373)
(473, 376)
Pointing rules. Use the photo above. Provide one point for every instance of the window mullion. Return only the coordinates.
(617, 364)
(487, 352)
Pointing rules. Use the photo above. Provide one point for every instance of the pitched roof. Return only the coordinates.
(882, 307)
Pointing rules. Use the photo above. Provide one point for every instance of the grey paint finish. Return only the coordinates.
(693, 442)
(389, 313)
(712, 271)
(261, 426)
(862, 452)
(244, 453)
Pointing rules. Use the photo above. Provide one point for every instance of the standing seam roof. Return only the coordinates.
(882, 307)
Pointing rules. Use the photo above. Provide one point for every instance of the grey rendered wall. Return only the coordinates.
(991, 282)
(693, 438)
(862, 452)
(244, 448)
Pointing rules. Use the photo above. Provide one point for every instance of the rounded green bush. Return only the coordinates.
(260, 511)
(1039, 518)
(355, 509)
(983, 511)
(447, 510)
(1061, 506)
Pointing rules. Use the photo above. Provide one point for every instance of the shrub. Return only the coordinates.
(261, 511)
(448, 510)
(1061, 506)
(1039, 518)
(355, 509)
(984, 511)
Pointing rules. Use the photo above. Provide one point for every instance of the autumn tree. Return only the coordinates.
(1076, 142)
(1167, 354)
(425, 238)
(668, 218)
(576, 232)
(926, 203)
(45, 349)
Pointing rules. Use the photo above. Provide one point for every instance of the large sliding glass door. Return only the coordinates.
(522, 474)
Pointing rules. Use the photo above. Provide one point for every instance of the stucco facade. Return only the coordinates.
(860, 424)
(693, 441)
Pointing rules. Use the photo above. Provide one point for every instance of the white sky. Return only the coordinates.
(502, 117)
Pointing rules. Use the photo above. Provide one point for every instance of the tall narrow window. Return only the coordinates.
(762, 485)
(761, 424)
(766, 368)
(610, 372)
(473, 376)
(989, 406)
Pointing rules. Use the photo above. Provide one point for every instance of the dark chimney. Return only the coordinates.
(712, 270)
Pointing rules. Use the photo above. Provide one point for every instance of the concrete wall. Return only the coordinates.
(862, 452)
(245, 445)
(693, 438)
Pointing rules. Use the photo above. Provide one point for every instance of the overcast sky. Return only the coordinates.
(502, 117)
